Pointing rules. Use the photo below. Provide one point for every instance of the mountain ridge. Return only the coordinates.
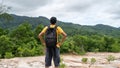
(69, 27)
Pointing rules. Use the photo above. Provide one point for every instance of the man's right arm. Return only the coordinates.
(40, 36)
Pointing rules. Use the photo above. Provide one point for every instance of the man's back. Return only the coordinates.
(51, 37)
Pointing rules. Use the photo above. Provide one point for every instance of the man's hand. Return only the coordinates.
(44, 44)
(58, 45)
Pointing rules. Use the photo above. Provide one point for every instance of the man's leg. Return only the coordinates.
(56, 57)
(48, 57)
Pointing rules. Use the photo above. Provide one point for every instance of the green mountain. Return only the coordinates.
(68, 27)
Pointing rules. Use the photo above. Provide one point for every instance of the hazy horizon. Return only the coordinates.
(83, 12)
(69, 21)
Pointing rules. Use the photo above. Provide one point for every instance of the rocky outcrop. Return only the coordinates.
(71, 61)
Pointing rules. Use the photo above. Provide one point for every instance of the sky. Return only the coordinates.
(83, 12)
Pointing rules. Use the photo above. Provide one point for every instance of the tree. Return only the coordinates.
(6, 17)
(3, 8)
(3, 32)
(3, 12)
(6, 45)
(26, 44)
(115, 47)
(37, 30)
(108, 41)
(80, 41)
(23, 32)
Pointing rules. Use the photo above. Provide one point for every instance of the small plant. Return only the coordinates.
(84, 60)
(62, 65)
(110, 58)
(92, 61)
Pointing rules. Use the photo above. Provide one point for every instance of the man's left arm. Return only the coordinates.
(64, 35)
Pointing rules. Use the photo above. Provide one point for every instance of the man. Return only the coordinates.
(53, 51)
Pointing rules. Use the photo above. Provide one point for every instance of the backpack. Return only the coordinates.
(51, 37)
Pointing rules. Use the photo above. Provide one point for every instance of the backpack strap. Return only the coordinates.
(48, 26)
(54, 27)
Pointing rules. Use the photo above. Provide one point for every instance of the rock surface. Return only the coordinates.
(71, 61)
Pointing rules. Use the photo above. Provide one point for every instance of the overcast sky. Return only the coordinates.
(83, 12)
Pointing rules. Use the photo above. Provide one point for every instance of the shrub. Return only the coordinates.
(110, 58)
(92, 61)
(62, 65)
(84, 60)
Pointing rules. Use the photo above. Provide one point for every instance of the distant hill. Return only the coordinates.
(68, 27)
